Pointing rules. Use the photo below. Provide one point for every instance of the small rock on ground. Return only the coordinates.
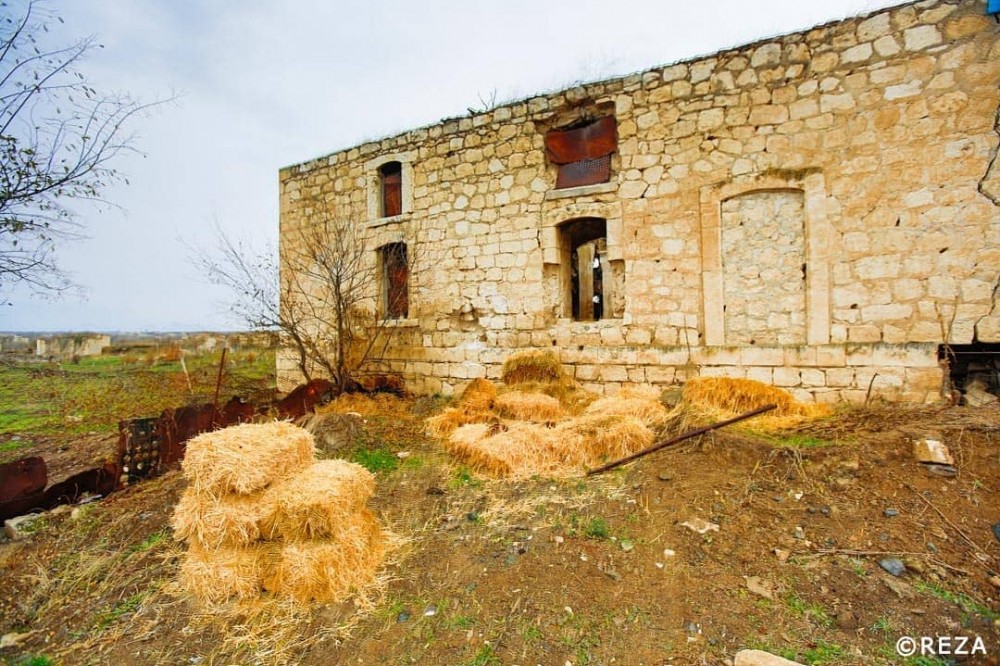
(893, 565)
(700, 525)
(761, 658)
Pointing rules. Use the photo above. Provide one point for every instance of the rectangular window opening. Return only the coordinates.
(395, 281)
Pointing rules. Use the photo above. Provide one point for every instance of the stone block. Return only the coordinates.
(770, 356)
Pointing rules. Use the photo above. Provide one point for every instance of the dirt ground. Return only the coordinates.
(597, 570)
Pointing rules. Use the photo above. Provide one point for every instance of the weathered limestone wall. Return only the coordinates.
(72, 345)
(857, 155)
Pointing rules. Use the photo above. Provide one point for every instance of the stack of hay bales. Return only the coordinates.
(261, 514)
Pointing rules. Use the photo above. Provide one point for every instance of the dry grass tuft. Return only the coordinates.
(710, 399)
(532, 366)
(384, 404)
(246, 458)
(321, 501)
(213, 521)
(535, 407)
(223, 574)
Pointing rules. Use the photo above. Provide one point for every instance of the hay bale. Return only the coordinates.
(478, 395)
(518, 450)
(317, 502)
(535, 407)
(709, 399)
(607, 436)
(328, 571)
(246, 458)
(224, 574)
(532, 366)
(214, 521)
(642, 403)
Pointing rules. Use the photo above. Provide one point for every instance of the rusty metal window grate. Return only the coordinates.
(392, 188)
(396, 281)
(584, 172)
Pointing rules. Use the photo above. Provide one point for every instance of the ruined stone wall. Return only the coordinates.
(854, 158)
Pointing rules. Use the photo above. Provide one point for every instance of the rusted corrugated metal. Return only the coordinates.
(589, 142)
(23, 477)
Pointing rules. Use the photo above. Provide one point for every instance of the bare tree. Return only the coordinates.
(57, 138)
(336, 300)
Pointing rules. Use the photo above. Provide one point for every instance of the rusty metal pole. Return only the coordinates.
(679, 438)
(218, 386)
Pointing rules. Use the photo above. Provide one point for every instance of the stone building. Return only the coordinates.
(65, 346)
(817, 210)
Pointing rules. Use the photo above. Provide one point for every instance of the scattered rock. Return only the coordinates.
(403, 455)
(558, 539)
(760, 587)
(13, 639)
(761, 658)
(664, 477)
(996, 531)
(977, 393)
(995, 581)
(403, 616)
(846, 621)
(932, 451)
(430, 611)
(700, 525)
(941, 470)
(826, 510)
(915, 564)
(612, 574)
(627, 545)
(893, 565)
(472, 516)
(434, 490)
(21, 527)
(782, 555)
(798, 532)
(899, 588)
(890, 513)
(668, 553)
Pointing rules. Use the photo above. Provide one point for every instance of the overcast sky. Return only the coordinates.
(262, 84)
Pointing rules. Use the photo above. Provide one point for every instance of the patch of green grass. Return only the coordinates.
(596, 528)
(884, 625)
(462, 477)
(460, 622)
(801, 608)
(485, 657)
(858, 566)
(33, 660)
(801, 442)
(822, 653)
(531, 633)
(963, 601)
(375, 460)
(113, 614)
(149, 542)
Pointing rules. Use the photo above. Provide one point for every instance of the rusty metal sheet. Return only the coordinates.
(139, 447)
(303, 398)
(22, 478)
(585, 172)
(589, 142)
(22, 505)
(98, 481)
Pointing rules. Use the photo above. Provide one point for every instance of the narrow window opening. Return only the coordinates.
(395, 281)
(391, 176)
(588, 283)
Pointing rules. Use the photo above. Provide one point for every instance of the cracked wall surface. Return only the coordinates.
(887, 124)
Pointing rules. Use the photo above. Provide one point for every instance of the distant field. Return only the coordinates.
(94, 393)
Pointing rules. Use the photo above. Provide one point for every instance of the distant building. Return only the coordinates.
(64, 346)
(14, 343)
